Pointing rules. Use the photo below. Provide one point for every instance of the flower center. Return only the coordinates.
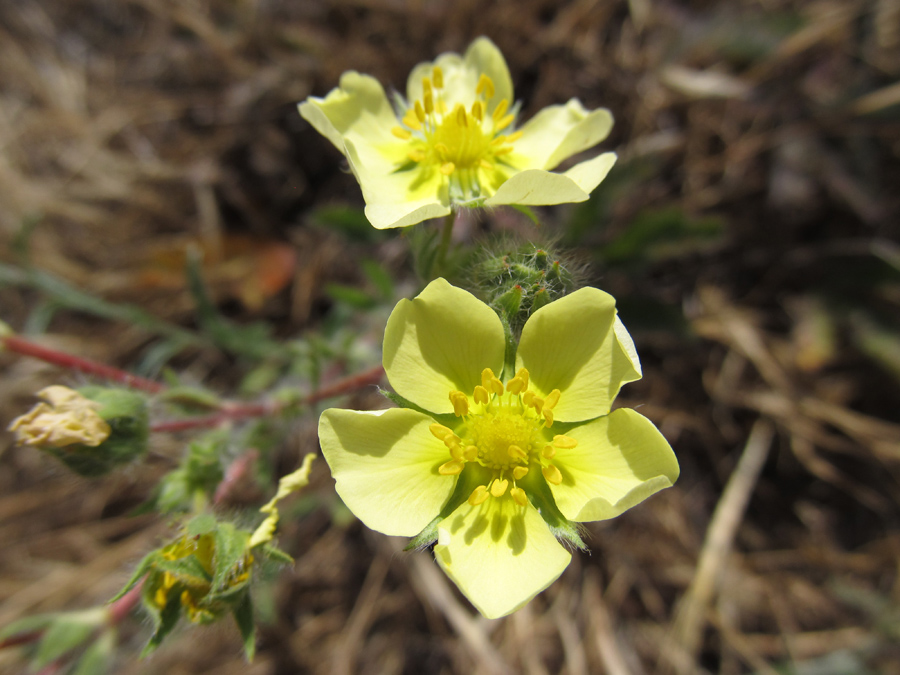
(504, 431)
(464, 144)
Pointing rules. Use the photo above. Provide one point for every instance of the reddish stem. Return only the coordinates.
(235, 411)
(235, 471)
(24, 347)
(122, 607)
(21, 639)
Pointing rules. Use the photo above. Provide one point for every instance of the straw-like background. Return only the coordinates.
(764, 136)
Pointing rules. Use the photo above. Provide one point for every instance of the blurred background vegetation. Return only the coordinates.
(749, 232)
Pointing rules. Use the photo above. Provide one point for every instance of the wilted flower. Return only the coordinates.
(452, 141)
(65, 419)
(499, 467)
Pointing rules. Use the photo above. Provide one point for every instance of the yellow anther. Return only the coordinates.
(429, 102)
(498, 487)
(504, 122)
(513, 137)
(548, 417)
(503, 151)
(401, 133)
(552, 399)
(522, 373)
(519, 496)
(416, 155)
(447, 168)
(527, 398)
(411, 120)
(441, 149)
(486, 165)
(452, 468)
(426, 85)
(477, 111)
(520, 472)
(516, 386)
(481, 395)
(460, 403)
(479, 495)
(486, 376)
(441, 106)
(461, 117)
(500, 110)
(516, 452)
(438, 76)
(470, 453)
(549, 452)
(485, 86)
(439, 431)
(552, 474)
(420, 113)
(451, 441)
(456, 452)
(564, 442)
(537, 403)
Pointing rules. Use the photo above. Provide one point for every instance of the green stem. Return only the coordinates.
(440, 260)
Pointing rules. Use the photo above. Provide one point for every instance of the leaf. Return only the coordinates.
(231, 549)
(350, 295)
(243, 616)
(66, 633)
(28, 624)
(277, 555)
(188, 570)
(143, 567)
(98, 657)
(164, 622)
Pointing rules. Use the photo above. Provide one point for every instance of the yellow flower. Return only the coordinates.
(452, 141)
(504, 463)
(65, 419)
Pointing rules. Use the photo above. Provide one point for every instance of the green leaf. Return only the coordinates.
(277, 555)
(143, 567)
(528, 212)
(66, 633)
(28, 624)
(243, 617)
(188, 570)
(231, 548)
(191, 397)
(98, 657)
(164, 622)
(202, 524)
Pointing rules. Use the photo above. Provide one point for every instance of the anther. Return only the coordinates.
(452, 468)
(439, 431)
(460, 403)
(498, 487)
(470, 453)
(438, 76)
(420, 113)
(416, 155)
(479, 495)
(513, 137)
(552, 474)
(520, 472)
(485, 86)
(516, 452)
(516, 386)
(503, 151)
(552, 399)
(548, 417)
(537, 403)
(522, 374)
(549, 452)
(451, 441)
(564, 442)
(504, 122)
(461, 119)
(447, 168)
(401, 133)
(477, 112)
(426, 85)
(429, 102)
(500, 110)
(484, 164)
(441, 149)
(519, 496)
(486, 376)
(411, 120)
(481, 395)
(527, 398)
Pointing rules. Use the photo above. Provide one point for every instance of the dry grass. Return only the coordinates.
(128, 128)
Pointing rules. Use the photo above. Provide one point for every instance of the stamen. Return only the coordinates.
(459, 401)
(500, 110)
(452, 468)
(419, 112)
(549, 452)
(439, 431)
(513, 137)
(426, 86)
(498, 487)
(484, 164)
(470, 453)
(522, 373)
(479, 495)
(416, 155)
(527, 398)
(481, 395)
(519, 496)
(520, 472)
(438, 76)
(537, 403)
(477, 112)
(401, 133)
(516, 452)
(548, 417)
(441, 149)
(485, 86)
(503, 151)
(461, 115)
(516, 386)
(564, 442)
(504, 122)
(429, 102)
(411, 120)
(552, 399)
(448, 168)
(552, 474)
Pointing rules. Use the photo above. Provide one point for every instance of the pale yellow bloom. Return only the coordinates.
(65, 419)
